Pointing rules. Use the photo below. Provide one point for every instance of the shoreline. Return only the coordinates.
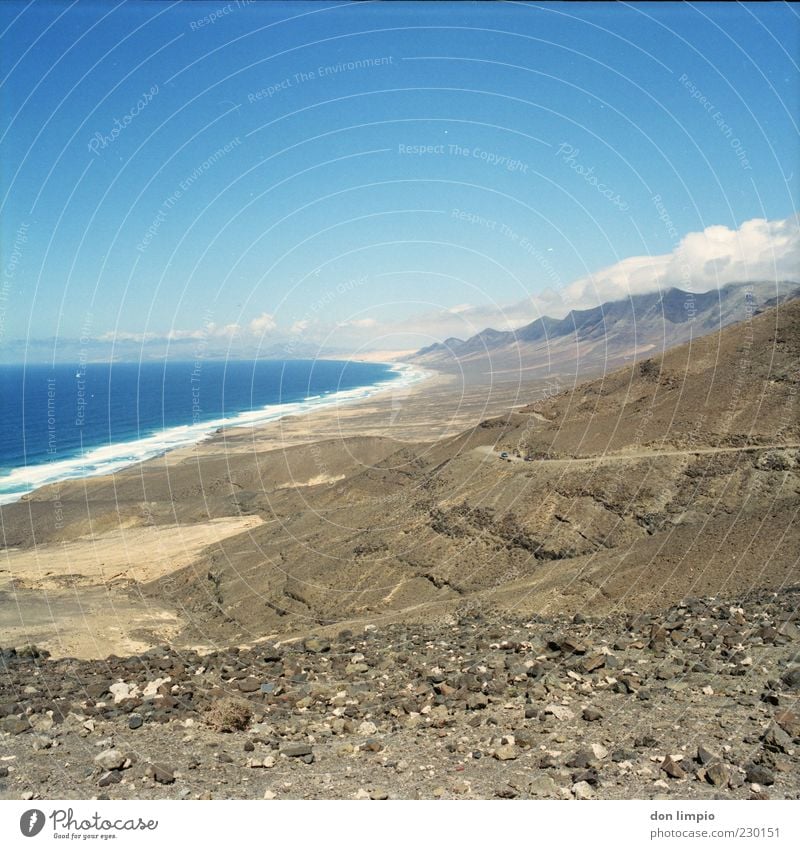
(108, 459)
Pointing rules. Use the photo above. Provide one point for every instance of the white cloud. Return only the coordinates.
(363, 323)
(262, 324)
(758, 250)
(714, 257)
(126, 336)
(702, 261)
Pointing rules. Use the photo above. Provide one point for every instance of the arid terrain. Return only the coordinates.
(431, 594)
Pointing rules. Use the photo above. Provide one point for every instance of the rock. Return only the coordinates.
(14, 725)
(791, 678)
(592, 714)
(582, 790)
(560, 712)
(582, 759)
(297, 750)
(506, 753)
(789, 722)
(759, 774)
(270, 652)
(718, 774)
(270, 794)
(776, 739)
(161, 774)
(109, 778)
(572, 645)
(477, 701)
(706, 756)
(543, 786)
(672, 768)
(110, 759)
(120, 691)
(249, 685)
(151, 689)
(379, 793)
(367, 728)
(135, 722)
(592, 662)
(42, 742)
(599, 751)
(316, 645)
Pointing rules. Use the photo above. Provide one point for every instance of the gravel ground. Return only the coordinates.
(698, 702)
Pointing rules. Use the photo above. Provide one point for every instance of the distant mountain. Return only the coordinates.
(608, 334)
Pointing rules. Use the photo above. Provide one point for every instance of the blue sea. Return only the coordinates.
(59, 422)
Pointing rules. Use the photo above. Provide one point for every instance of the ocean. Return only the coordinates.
(58, 423)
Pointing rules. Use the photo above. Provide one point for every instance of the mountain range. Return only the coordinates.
(606, 335)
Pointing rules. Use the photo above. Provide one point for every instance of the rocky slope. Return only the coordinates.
(677, 476)
(699, 701)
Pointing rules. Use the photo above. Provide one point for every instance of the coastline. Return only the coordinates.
(100, 540)
(108, 459)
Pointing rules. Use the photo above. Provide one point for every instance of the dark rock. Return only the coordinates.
(791, 678)
(591, 714)
(706, 756)
(582, 759)
(776, 739)
(759, 774)
(108, 778)
(296, 750)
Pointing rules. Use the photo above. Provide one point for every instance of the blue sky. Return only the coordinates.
(381, 175)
